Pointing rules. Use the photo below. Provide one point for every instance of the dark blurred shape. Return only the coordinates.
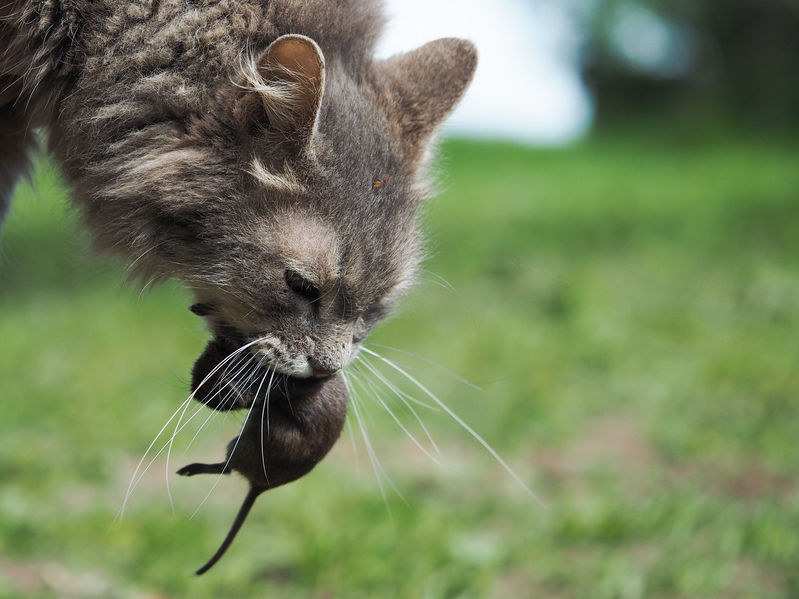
(736, 60)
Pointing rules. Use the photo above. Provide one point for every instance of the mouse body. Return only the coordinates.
(280, 442)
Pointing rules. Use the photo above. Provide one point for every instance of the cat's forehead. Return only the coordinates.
(366, 261)
(348, 207)
(357, 134)
(306, 244)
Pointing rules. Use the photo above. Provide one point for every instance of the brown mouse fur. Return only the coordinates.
(300, 430)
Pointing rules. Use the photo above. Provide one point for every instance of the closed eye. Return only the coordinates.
(302, 286)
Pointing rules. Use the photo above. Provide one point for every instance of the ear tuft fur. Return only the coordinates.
(283, 88)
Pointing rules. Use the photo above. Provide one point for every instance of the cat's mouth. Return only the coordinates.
(226, 377)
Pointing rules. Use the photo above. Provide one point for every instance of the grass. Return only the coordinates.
(628, 307)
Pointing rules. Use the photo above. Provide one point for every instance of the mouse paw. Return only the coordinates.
(193, 469)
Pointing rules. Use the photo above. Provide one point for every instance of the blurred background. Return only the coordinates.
(614, 272)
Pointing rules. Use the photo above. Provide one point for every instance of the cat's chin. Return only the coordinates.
(234, 386)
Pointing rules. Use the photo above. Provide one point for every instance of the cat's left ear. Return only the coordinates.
(284, 88)
(424, 86)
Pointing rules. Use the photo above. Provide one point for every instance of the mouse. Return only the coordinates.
(305, 419)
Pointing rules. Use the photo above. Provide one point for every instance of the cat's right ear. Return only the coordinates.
(283, 89)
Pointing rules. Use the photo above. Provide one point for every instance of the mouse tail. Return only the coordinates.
(245, 508)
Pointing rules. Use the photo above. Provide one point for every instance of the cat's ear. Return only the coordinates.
(425, 85)
(284, 88)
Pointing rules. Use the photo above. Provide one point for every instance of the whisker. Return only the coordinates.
(369, 451)
(133, 479)
(441, 281)
(177, 429)
(166, 467)
(249, 378)
(288, 398)
(405, 397)
(377, 466)
(225, 401)
(241, 363)
(265, 411)
(452, 373)
(398, 421)
(167, 444)
(131, 485)
(227, 462)
(401, 395)
(437, 283)
(356, 455)
(463, 424)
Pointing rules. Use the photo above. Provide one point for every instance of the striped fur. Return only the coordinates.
(192, 132)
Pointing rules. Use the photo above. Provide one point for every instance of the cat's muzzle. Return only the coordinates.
(224, 383)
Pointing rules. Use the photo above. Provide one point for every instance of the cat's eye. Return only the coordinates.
(302, 286)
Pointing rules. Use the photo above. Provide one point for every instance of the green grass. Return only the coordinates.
(630, 308)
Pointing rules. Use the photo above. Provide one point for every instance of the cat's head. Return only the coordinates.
(298, 225)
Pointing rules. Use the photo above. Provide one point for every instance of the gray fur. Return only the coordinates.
(16, 142)
(194, 154)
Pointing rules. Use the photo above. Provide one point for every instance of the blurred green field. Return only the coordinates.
(629, 307)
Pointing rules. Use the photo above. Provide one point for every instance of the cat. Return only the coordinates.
(254, 149)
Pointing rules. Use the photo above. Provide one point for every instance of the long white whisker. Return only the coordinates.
(265, 411)
(444, 283)
(241, 363)
(401, 395)
(434, 282)
(132, 265)
(413, 439)
(166, 467)
(227, 462)
(223, 404)
(465, 426)
(356, 455)
(253, 373)
(232, 392)
(378, 467)
(168, 443)
(121, 512)
(177, 428)
(133, 479)
(369, 451)
(211, 414)
(407, 399)
(227, 414)
(452, 373)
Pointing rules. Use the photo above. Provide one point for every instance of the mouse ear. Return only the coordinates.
(423, 86)
(283, 88)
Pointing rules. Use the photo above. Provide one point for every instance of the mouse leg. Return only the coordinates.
(192, 469)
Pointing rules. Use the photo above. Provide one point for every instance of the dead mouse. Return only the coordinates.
(305, 420)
